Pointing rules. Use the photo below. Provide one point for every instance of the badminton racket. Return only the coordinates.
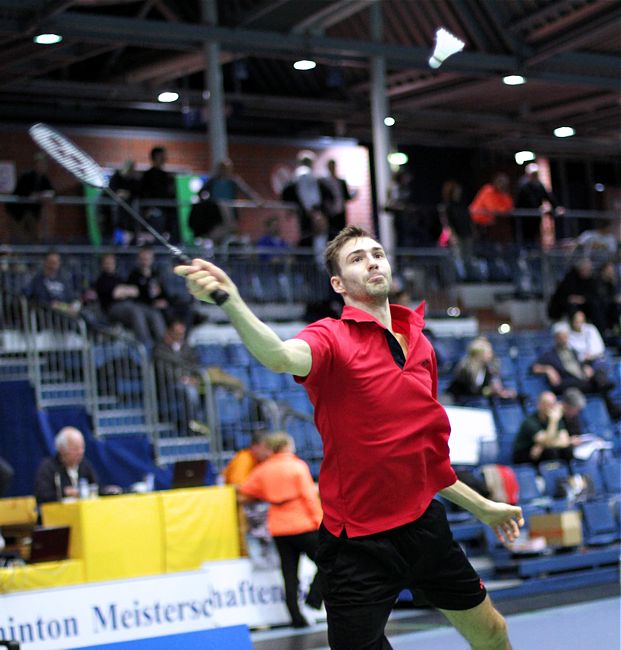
(78, 163)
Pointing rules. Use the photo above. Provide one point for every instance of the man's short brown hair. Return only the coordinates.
(333, 249)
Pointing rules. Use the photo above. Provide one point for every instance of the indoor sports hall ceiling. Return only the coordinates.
(116, 56)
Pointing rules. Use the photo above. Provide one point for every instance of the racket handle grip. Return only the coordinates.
(219, 296)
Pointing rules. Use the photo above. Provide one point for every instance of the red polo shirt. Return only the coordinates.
(385, 435)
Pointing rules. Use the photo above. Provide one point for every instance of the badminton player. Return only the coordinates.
(372, 378)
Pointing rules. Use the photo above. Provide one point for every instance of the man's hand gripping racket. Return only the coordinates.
(85, 169)
(206, 280)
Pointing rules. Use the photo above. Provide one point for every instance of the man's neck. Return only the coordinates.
(381, 311)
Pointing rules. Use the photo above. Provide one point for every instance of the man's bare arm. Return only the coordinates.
(292, 356)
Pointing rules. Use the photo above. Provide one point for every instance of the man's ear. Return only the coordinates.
(337, 285)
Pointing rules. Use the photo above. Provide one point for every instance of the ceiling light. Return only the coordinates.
(564, 132)
(524, 156)
(304, 64)
(397, 158)
(47, 39)
(168, 96)
(514, 80)
(599, 187)
(504, 328)
(389, 121)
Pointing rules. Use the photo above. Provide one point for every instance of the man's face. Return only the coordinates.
(73, 451)
(145, 259)
(547, 402)
(561, 339)
(260, 451)
(51, 265)
(108, 264)
(364, 271)
(177, 332)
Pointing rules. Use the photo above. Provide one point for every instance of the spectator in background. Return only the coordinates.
(573, 402)
(285, 482)
(563, 369)
(252, 516)
(158, 185)
(401, 204)
(221, 221)
(586, 340)
(492, 199)
(272, 240)
(147, 279)
(608, 298)
(118, 302)
(478, 374)
(52, 286)
(58, 477)
(306, 191)
(543, 435)
(602, 242)
(578, 291)
(532, 195)
(35, 186)
(335, 199)
(456, 215)
(117, 226)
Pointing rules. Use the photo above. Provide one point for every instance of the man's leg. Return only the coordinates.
(482, 626)
(289, 560)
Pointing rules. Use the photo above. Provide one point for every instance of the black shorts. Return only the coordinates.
(421, 556)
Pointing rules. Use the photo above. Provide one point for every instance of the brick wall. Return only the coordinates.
(260, 163)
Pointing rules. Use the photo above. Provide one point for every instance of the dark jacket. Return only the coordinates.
(45, 290)
(52, 478)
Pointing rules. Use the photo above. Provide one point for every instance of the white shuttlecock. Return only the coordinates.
(446, 44)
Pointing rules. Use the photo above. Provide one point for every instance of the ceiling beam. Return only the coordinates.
(331, 15)
(583, 105)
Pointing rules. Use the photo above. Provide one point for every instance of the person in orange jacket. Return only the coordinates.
(491, 200)
(294, 515)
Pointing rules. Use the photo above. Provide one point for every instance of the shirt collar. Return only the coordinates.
(403, 318)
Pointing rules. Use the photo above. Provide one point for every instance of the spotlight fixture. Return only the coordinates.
(514, 80)
(47, 39)
(564, 131)
(504, 328)
(524, 156)
(167, 97)
(389, 121)
(304, 64)
(397, 158)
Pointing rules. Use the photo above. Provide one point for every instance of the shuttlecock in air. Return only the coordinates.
(446, 44)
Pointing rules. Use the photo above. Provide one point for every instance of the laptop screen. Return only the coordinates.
(49, 544)
(189, 473)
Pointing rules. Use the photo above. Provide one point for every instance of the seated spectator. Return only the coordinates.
(563, 369)
(118, 302)
(586, 340)
(272, 240)
(578, 291)
(147, 278)
(543, 434)
(285, 482)
(182, 360)
(573, 403)
(58, 477)
(478, 374)
(53, 287)
(601, 243)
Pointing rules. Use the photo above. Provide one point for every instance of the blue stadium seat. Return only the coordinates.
(611, 472)
(596, 418)
(263, 380)
(238, 354)
(590, 468)
(212, 354)
(551, 472)
(599, 523)
(527, 479)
